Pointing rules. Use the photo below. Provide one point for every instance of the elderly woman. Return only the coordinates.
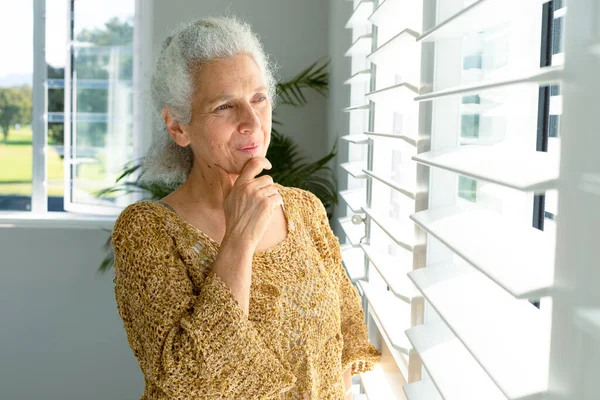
(231, 287)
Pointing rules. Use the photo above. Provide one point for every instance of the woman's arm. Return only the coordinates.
(358, 353)
(233, 264)
(191, 342)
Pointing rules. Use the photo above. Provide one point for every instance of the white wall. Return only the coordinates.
(339, 94)
(61, 337)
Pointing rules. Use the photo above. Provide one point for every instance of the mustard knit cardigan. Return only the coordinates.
(191, 337)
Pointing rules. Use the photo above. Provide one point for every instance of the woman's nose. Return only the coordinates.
(248, 119)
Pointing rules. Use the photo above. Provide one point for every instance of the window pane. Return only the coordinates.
(102, 93)
(467, 188)
(557, 42)
(505, 116)
(16, 77)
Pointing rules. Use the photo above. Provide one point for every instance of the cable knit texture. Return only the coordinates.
(191, 337)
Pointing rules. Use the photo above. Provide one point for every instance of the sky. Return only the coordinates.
(16, 29)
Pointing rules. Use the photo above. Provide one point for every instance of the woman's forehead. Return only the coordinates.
(222, 77)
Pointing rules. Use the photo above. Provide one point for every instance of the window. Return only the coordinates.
(16, 104)
(73, 132)
(456, 118)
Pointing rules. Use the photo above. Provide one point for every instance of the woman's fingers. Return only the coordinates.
(260, 183)
(268, 191)
(252, 168)
(250, 201)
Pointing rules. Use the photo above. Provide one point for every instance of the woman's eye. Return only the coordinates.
(223, 107)
(261, 98)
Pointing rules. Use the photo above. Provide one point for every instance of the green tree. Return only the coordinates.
(115, 33)
(15, 107)
(56, 103)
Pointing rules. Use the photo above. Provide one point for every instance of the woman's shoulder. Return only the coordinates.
(300, 197)
(303, 203)
(143, 214)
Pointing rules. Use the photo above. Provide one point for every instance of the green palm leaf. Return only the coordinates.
(314, 77)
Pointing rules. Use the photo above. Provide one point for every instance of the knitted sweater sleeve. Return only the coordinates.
(357, 352)
(191, 343)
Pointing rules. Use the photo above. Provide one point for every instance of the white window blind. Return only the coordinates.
(456, 116)
(382, 243)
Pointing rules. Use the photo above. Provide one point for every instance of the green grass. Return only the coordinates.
(16, 165)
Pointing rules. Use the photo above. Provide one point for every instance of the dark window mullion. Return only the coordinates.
(543, 106)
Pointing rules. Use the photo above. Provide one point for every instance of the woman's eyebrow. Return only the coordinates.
(225, 96)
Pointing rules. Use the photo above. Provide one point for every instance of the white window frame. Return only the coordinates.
(75, 215)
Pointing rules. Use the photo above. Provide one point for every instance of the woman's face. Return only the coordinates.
(231, 114)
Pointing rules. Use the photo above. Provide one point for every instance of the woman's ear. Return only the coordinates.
(174, 128)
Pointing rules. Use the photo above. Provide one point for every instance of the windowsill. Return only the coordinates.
(19, 219)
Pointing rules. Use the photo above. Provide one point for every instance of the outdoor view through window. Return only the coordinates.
(100, 46)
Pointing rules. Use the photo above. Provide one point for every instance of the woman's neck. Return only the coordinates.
(203, 187)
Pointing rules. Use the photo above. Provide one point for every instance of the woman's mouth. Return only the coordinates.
(252, 149)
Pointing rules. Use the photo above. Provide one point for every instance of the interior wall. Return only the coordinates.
(61, 337)
(339, 94)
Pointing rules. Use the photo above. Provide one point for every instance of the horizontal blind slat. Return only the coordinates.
(359, 77)
(396, 49)
(408, 139)
(543, 77)
(393, 315)
(422, 390)
(526, 171)
(356, 199)
(353, 260)
(387, 13)
(520, 259)
(356, 138)
(394, 271)
(399, 96)
(361, 46)
(353, 232)
(476, 17)
(453, 370)
(356, 108)
(402, 234)
(399, 358)
(380, 384)
(407, 191)
(509, 338)
(360, 15)
(355, 168)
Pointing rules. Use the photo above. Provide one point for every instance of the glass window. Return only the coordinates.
(101, 98)
(16, 104)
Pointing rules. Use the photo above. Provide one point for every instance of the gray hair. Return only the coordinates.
(190, 46)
